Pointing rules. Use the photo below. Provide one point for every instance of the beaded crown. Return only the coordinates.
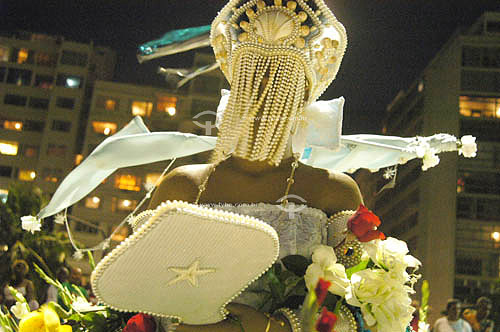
(305, 29)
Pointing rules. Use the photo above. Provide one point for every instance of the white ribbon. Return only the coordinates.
(318, 137)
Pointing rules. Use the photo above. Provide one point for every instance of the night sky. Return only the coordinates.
(390, 41)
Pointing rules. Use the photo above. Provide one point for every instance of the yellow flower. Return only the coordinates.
(43, 320)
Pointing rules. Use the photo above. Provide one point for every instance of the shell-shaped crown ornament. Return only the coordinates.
(303, 29)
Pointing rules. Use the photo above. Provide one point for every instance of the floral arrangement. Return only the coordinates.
(377, 289)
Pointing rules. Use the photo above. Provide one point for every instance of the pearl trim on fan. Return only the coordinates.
(186, 209)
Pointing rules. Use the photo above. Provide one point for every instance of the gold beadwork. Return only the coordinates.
(250, 13)
(331, 60)
(302, 16)
(304, 30)
(245, 25)
(292, 5)
(300, 43)
(349, 253)
(243, 37)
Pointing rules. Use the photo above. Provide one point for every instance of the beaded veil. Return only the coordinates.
(278, 58)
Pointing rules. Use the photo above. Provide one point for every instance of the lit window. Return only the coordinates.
(9, 148)
(13, 125)
(44, 81)
(26, 175)
(120, 234)
(45, 59)
(73, 82)
(127, 182)
(479, 107)
(495, 236)
(142, 108)
(104, 128)
(4, 53)
(22, 55)
(52, 174)
(152, 178)
(109, 104)
(78, 159)
(68, 81)
(92, 202)
(4, 194)
(30, 151)
(167, 105)
(124, 204)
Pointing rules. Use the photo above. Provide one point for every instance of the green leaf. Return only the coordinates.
(276, 287)
(94, 322)
(59, 310)
(331, 301)
(16, 295)
(296, 263)
(425, 301)
(91, 260)
(294, 302)
(363, 265)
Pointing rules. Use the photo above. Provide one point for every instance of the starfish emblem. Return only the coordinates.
(189, 274)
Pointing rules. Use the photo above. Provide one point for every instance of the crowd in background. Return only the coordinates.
(70, 278)
(471, 319)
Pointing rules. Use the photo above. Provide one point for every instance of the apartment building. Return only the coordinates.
(45, 85)
(450, 214)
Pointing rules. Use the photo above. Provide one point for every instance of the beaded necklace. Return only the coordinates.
(290, 180)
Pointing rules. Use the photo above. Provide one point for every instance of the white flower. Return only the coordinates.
(325, 266)
(20, 309)
(31, 224)
(469, 146)
(423, 327)
(421, 149)
(149, 186)
(383, 299)
(78, 255)
(105, 244)
(60, 219)
(391, 254)
(324, 256)
(81, 304)
(430, 159)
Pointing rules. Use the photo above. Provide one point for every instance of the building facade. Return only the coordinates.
(45, 84)
(450, 214)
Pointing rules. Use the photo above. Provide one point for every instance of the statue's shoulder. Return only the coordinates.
(331, 191)
(181, 183)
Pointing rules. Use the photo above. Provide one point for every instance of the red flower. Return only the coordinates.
(321, 290)
(326, 321)
(364, 225)
(140, 323)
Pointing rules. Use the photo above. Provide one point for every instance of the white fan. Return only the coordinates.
(187, 262)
